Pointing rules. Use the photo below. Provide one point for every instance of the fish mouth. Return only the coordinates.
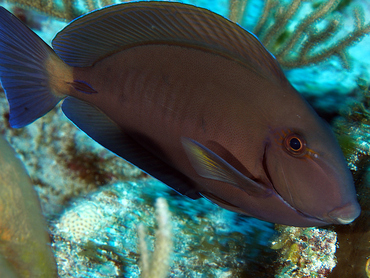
(339, 216)
(344, 214)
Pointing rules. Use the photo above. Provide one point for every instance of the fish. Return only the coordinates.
(192, 99)
(24, 241)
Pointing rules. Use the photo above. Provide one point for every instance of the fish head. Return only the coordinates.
(307, 169)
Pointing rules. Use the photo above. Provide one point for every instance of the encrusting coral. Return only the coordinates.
(305, 252)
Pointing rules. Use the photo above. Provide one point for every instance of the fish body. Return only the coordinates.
(192, 99)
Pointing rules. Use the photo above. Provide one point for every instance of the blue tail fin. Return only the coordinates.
(27, 65)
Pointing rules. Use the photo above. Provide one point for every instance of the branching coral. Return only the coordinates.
(156, 265)
(67, 10)
(237, 8)
(305, 43)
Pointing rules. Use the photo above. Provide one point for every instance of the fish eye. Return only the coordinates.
(295, 144)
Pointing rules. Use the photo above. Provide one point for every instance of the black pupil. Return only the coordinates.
(295, 144)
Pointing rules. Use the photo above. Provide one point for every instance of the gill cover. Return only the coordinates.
(309, 172)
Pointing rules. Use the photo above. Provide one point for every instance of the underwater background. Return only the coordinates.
(94, 201)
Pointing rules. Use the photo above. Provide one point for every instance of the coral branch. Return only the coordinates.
(66, 11)
(156, 265)
(237, 8)
(303, 45)
(282, 17)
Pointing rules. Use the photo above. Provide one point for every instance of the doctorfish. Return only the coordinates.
(189, 97)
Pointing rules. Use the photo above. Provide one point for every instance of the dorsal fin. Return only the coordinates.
(101, 33)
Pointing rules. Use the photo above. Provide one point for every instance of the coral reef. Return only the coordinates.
(305, 252)
(207, 241)
(352, 130)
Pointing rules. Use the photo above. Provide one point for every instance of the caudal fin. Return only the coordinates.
(29, 71)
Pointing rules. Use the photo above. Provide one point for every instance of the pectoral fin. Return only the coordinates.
(209, 165)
